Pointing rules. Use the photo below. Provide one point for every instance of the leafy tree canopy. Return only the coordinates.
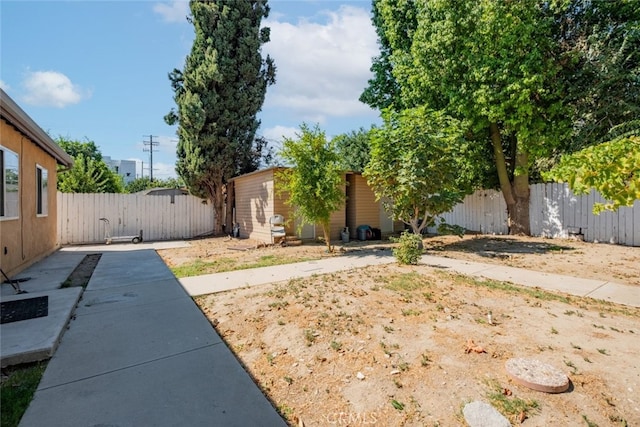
(314, 183)
(598, 45)
(353, 149)
(73, 148)
(89, 174)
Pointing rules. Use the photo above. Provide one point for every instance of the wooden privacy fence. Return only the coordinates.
(160, 217)
(554, 211)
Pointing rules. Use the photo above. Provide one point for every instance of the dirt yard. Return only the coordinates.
(399, 345)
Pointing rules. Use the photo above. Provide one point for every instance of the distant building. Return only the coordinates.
(125, 168)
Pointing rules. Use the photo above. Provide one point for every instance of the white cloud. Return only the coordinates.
(163, 170)
(51, 89)
(322, 68)
(174, 11)
(4, 86)
(278, 133)
(168, 142)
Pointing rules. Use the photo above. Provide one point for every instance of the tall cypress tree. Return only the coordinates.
(218, 95)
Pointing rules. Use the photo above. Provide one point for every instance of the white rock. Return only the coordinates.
(481, 414)
(360, 376)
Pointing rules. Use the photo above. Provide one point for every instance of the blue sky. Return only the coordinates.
(98, 69)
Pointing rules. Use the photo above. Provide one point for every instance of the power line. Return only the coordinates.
(150, 143)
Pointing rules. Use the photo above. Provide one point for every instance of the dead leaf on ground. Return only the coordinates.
(522, 416)
(473, 348)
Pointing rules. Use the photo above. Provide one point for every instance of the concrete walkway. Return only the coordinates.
(140, 352)
(599, 289)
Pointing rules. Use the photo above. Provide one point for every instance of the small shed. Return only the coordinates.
(257, 199)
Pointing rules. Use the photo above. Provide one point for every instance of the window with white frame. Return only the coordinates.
(42, 185)
(9, 180)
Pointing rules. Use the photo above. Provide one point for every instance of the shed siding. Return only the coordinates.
(254, 198)
(363, 208)
(281, 208)
(337, 222)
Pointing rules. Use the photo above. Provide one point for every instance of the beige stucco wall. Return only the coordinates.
(29, 237)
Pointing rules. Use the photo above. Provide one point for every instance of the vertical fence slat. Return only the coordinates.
(636, 223)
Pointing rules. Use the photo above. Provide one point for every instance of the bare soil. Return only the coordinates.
(410, 345)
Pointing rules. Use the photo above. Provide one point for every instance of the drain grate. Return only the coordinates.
(24, 309)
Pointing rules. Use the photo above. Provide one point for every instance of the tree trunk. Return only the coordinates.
(516, 195)
(218, 209)
(520, 223)
(326, 230)
(230, 204)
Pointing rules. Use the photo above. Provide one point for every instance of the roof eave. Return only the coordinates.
(14, 115)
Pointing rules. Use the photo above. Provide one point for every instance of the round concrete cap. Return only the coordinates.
(536, 375)
(481, 414)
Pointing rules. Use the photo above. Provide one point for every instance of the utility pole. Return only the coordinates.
(151, 143)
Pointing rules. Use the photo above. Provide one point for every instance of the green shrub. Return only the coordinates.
(409, 249)
(448, 229)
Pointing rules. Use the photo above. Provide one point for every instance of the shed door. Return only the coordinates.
(386, 223)
(308, 230)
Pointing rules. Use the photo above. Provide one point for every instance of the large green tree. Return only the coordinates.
(532, 79)
(490, 64)
(218, 95)
(89, 174)
(416, 165)
(314, 182)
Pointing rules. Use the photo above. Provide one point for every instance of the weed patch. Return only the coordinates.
(17, 391)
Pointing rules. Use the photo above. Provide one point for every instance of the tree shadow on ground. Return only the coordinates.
(492, 246)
